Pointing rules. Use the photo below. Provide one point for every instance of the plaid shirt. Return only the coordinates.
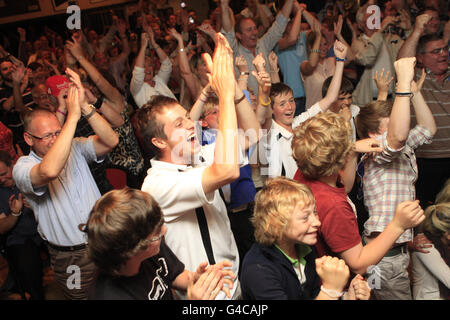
(389, 179)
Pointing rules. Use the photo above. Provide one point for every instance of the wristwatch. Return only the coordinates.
(90, 114)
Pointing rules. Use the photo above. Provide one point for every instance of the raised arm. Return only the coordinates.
(227, 16)
(399, 120)
(18, 75)
(136, 80)
(409, 47)
(424, 116)
(122, 28)
(244, 72)
(105, 139)
(287, 8)
(291, 38)
(111, 93)
(192, 83)
(307, 67)
(340, 50)
(197, 109)
(225, 167)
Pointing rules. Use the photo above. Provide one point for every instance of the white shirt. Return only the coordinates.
(354, 110)
(278, 150)
(427, 270)
(142, 91)
(178, 190)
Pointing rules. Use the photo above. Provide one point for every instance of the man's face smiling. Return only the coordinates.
(181, 140)
(435, 57)
(284, 109)
(249, 34)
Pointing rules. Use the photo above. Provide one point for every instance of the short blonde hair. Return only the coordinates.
(211, 103)
(274, 205)
(321, 145)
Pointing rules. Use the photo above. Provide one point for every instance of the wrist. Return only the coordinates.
(16, 214)
(403, 87)
(332, 293)
(88, 111)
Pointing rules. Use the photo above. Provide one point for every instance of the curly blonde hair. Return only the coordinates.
(320, 145)
(274, 205)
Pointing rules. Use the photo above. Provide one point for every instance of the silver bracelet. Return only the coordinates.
(332, 293)
(16, 214)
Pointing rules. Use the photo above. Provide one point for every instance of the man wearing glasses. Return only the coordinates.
(431, 51)
(56, 181)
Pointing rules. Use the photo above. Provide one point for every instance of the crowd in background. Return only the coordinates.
(348, 167)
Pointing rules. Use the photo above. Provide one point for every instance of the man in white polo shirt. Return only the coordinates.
(185, 178)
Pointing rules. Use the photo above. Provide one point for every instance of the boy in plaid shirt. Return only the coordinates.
(389, 176)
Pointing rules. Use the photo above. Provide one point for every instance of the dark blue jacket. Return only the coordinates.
(268, 275)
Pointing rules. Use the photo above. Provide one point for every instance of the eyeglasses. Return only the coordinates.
(47, 136)
(438, 50)
(156, 238)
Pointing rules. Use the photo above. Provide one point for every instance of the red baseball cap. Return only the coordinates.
(56, 83)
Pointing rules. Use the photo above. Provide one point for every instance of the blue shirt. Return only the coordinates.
(289, 60)
(65, 202)
(242, 189)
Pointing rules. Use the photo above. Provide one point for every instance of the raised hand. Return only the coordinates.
(338, 26)
(259, 62)
(404, 69)
(340, 49)
(208, 29)
(174, 33)
(417, 86)
(74, 46)
(241, 64)
(383, 80)
(18, 73)
(264, 81)
(273, 60)
(144, 40)
(405, 20)
(221, 68)
(421, 21)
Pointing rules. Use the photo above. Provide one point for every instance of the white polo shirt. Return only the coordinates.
(178, 190)
(278, 148)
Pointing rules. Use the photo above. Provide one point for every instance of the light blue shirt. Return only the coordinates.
(289, 60)
(65, 202)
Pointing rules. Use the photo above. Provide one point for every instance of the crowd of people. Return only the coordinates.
(278, 152)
